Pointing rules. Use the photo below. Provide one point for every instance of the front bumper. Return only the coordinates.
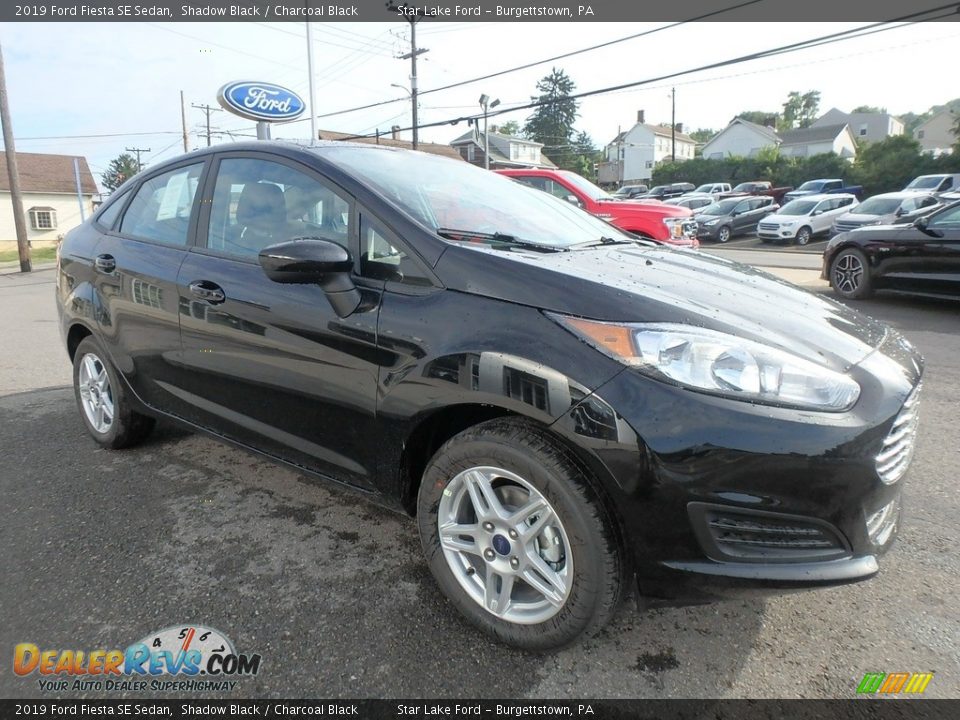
(782, 232)
(809, 480)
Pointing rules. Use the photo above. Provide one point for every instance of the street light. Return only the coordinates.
(486, 104)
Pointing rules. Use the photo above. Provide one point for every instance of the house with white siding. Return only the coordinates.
(633, 154)
(936, 135)
(741, 138)
(51, 203)
(866, 127)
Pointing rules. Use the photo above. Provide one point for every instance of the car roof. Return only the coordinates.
(899, 195)
(825, 196)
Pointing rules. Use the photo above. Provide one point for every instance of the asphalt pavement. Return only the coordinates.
(102, 548)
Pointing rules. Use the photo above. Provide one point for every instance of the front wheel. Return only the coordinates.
(850, 275)
(803, 236)
(517, 538)
(102, 399)
(724, 234)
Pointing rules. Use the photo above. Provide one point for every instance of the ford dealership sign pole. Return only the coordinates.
(261, 101)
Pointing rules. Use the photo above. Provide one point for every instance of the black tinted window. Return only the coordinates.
(382, 258)
(160, 211)
(108, 216)
(258, 202)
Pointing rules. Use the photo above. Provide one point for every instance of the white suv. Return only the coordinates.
(799, 220)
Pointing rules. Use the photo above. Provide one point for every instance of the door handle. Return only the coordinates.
(209, 291)
(105, 263)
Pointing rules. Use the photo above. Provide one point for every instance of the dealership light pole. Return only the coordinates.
(673, 125)
(412, 16)
(313, 95)
(486, 104)
(23, 244)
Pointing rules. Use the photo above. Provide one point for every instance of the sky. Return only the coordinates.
(124, 79)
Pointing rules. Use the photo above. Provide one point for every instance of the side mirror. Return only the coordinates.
(572, 199)
(920, 223)
(817, 212)
(309, 261)
(900, 212)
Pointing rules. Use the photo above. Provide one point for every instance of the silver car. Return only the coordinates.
(886, 209)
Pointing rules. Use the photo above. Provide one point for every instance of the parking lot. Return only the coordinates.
(102, 548)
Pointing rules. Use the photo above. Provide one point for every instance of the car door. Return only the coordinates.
(938, 269)
(136, 265)
(271, 365)
(741, 216)
(822, 216)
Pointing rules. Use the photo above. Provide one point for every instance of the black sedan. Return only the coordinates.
(922, 258)
(565, 409)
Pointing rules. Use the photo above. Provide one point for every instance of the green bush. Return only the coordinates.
(885, 166)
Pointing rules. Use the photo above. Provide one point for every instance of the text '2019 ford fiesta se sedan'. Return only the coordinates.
(567, 410)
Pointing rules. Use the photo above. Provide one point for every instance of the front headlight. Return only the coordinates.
(719, 364)
(709, 223)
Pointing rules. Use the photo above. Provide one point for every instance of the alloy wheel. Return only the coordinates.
(505, 545)
(847, 273)
(96, 394)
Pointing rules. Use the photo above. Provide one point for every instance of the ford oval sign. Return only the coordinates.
(260, 101)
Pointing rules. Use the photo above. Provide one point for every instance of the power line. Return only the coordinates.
(526, 66)
(104, 135)
(781, 50)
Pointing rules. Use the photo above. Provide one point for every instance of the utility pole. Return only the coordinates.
(138, 151)
(183, 122)
(23, 244)
(207, 109)
(412, 15)
(673, 124)
(313, 95)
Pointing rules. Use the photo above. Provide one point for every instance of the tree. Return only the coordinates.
(702, 135)
(760, 117)
(868, 109)
(956, 134)
(121, 168)
(587, 155)
(510, 128)
(552, 122)
(799, 110)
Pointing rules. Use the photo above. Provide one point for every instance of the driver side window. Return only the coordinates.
(258, 202)
(948, 220)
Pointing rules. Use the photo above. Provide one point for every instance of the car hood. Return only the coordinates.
(640, 283)
(861, 219)
(785, 219)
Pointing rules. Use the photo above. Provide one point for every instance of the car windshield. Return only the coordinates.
(798, 207)
(877, 206)
(724, 207)
(811, 185)
(931, 182)
(585, 186)
(705, 188)
(658, 189)
(745, 187)
(441, 193)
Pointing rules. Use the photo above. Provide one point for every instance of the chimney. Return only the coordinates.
(640, 116)
(679, 127)
(493, 128)
(395, 132)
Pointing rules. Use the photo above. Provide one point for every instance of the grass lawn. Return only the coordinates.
(37, 255)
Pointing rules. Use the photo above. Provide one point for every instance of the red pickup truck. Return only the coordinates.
(654, 220)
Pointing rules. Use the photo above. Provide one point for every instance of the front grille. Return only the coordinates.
(841, 226)
(897, 449)
(769, 227)
(732, 534)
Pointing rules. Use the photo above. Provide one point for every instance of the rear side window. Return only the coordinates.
(108, 216)
(160, 210)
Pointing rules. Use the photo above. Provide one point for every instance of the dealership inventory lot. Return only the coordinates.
(105, 547)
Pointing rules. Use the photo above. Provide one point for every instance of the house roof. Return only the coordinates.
(500, 148)
(42, 173)
(808, 135)
(935, 116)
(661, 130)
(427, 147)
(766, 132)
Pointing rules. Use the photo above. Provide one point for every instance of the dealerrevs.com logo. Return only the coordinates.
(180, 658)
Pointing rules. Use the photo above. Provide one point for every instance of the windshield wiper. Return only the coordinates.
(497, 238)
(603, 241)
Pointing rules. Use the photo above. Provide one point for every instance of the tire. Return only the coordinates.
(102, 399)
(850, 275)
(724, 234)
(563, 561)
(803, 236)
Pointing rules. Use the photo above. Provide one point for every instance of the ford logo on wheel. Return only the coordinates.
(260, 101)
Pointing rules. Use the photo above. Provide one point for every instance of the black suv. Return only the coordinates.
(663, 192)
(565, 409)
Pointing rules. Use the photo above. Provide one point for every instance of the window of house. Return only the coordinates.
(649, 164)
(920, 134)
(160, 211)
(471, 153)
(863, 130)
(43, 218)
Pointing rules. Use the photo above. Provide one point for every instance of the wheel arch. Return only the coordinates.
(75, 335)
